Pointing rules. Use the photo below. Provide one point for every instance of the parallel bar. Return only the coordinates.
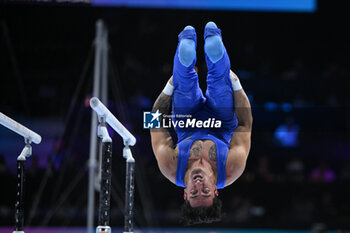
(129, 196)
(102, 110)
(19, 206)
(19, 129)
(104, 65)
(93, 136)
(106, 181)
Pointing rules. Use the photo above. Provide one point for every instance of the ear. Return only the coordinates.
(185, 195)
(216, 192)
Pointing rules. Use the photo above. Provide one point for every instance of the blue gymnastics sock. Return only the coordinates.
(187, 49)
(214, 48)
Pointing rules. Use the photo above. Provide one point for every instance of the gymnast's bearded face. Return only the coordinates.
(200, 188)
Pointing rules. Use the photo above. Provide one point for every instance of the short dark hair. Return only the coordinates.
(195, 215)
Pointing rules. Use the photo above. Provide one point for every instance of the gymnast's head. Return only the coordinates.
(201, 196)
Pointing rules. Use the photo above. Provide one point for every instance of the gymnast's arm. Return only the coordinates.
(241, 138)
(162, 142)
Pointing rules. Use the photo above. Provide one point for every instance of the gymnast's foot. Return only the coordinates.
(213, 47)
(187, 46)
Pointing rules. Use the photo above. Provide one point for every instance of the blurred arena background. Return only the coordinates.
(293, 62)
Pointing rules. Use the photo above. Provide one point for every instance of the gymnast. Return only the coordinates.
(204, 159)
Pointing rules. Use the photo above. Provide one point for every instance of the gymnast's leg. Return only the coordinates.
(219, 92)
(187, 94)
(188, 97)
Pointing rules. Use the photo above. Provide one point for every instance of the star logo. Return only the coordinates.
(155, 115)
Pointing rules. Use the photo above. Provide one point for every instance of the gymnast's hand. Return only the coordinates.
(233, 77)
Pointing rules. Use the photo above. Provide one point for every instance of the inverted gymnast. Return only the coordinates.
(204, 159)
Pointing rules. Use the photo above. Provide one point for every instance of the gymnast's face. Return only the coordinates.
(200, 190)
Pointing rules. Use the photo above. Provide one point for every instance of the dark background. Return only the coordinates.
(292, 65)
